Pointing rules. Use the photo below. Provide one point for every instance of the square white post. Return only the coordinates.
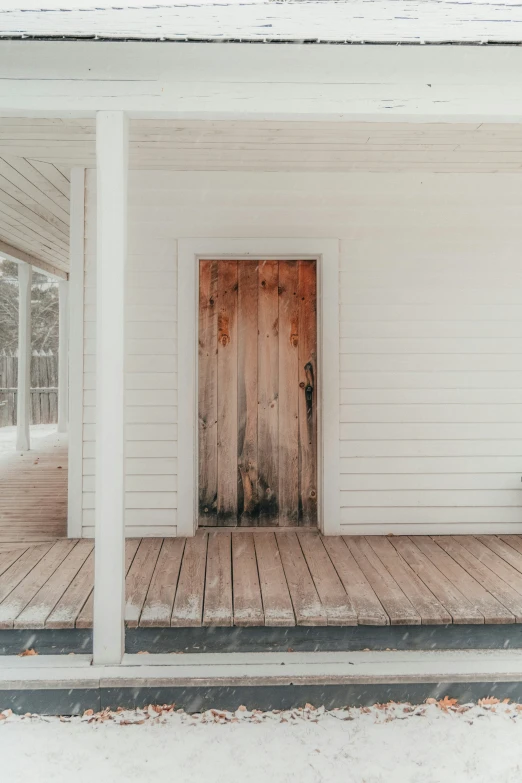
(111, 217)
(63, 355)
(23, 407)
(76, 302)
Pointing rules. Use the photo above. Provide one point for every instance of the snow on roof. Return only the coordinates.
(337, 21)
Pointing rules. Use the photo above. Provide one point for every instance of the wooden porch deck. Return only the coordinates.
(272, 579)
(33, 487)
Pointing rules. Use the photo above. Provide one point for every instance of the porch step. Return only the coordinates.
(69, 685)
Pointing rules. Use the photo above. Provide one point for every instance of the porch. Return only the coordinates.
(279, 580)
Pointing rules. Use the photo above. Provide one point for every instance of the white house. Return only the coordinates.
(295, 285)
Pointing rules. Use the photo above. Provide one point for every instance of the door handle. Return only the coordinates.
(309, 388)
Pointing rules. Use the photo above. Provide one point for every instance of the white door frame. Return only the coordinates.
(326, 253)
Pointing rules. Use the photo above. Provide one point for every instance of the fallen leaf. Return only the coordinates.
(446, 703)
(87, 713)
(488, 701)
(24, 653)
(242, 708)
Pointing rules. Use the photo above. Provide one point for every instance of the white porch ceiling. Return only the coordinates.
(36, 156)
(275, 146)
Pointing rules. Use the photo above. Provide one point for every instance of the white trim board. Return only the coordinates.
(264, 668)
(76, 349)
(326, 252)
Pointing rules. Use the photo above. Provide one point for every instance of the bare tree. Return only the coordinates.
(44, 309)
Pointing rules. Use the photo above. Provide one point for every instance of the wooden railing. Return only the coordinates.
(44, 391)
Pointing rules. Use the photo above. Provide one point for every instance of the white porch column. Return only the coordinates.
(111, 217)
(63, 356)
(23, 408)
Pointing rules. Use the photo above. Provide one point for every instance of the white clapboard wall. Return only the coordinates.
(430, 432)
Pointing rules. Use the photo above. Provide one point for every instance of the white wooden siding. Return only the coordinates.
(431, 337)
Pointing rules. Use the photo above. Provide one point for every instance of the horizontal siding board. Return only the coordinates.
(433, 345)
(446, 330)
(475, 466)
(430, 413)
(482, 482)
(430, 448)
(431, 380)
(431, 515)
(434, 363)
(401, 498)
(492, 398)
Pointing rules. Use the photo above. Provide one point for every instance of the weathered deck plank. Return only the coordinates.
(70, 604)
(218, 584)
(248, 605)
(139, 577)
(18, 599)
(368, 608)
(307, 604)
(42, 604)
(85, 618)
(157, 609)
(272, 578)
(398, 607)
(336, 602)
(494, 612)
(277, 603)
(461, 609)
(422, 599)
(188, 604)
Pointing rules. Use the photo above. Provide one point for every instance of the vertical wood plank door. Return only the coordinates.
(257, 394)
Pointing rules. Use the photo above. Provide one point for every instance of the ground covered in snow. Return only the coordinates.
(429, 743)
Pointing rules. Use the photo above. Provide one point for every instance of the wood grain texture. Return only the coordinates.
(18, 599)
(268, 391)
(306, 602)
(248, 605)
(218, 585)
(461, 609)
(138, 579)
(43, 602)
(494, 612)
(247, 379)
(308, 400)
(430, 610)
(336, 602)
(86, 616)
(188, 604)
(367, 606)
(505, 548)
(70, 604)
(502, 591)
(398, 608)
(207, 391)
(288, 394)
(227, 394)
(277, 603)
(157, 609)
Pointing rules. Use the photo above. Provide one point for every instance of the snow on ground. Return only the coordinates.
(391, 743)
(38, 431)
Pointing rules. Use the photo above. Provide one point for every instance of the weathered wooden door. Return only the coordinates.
(257, 393)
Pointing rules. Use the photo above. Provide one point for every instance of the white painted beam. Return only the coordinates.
(109, 587)
(63, 358)
(17, 255)
(23, 411)
(241, 81)
(76, 244)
